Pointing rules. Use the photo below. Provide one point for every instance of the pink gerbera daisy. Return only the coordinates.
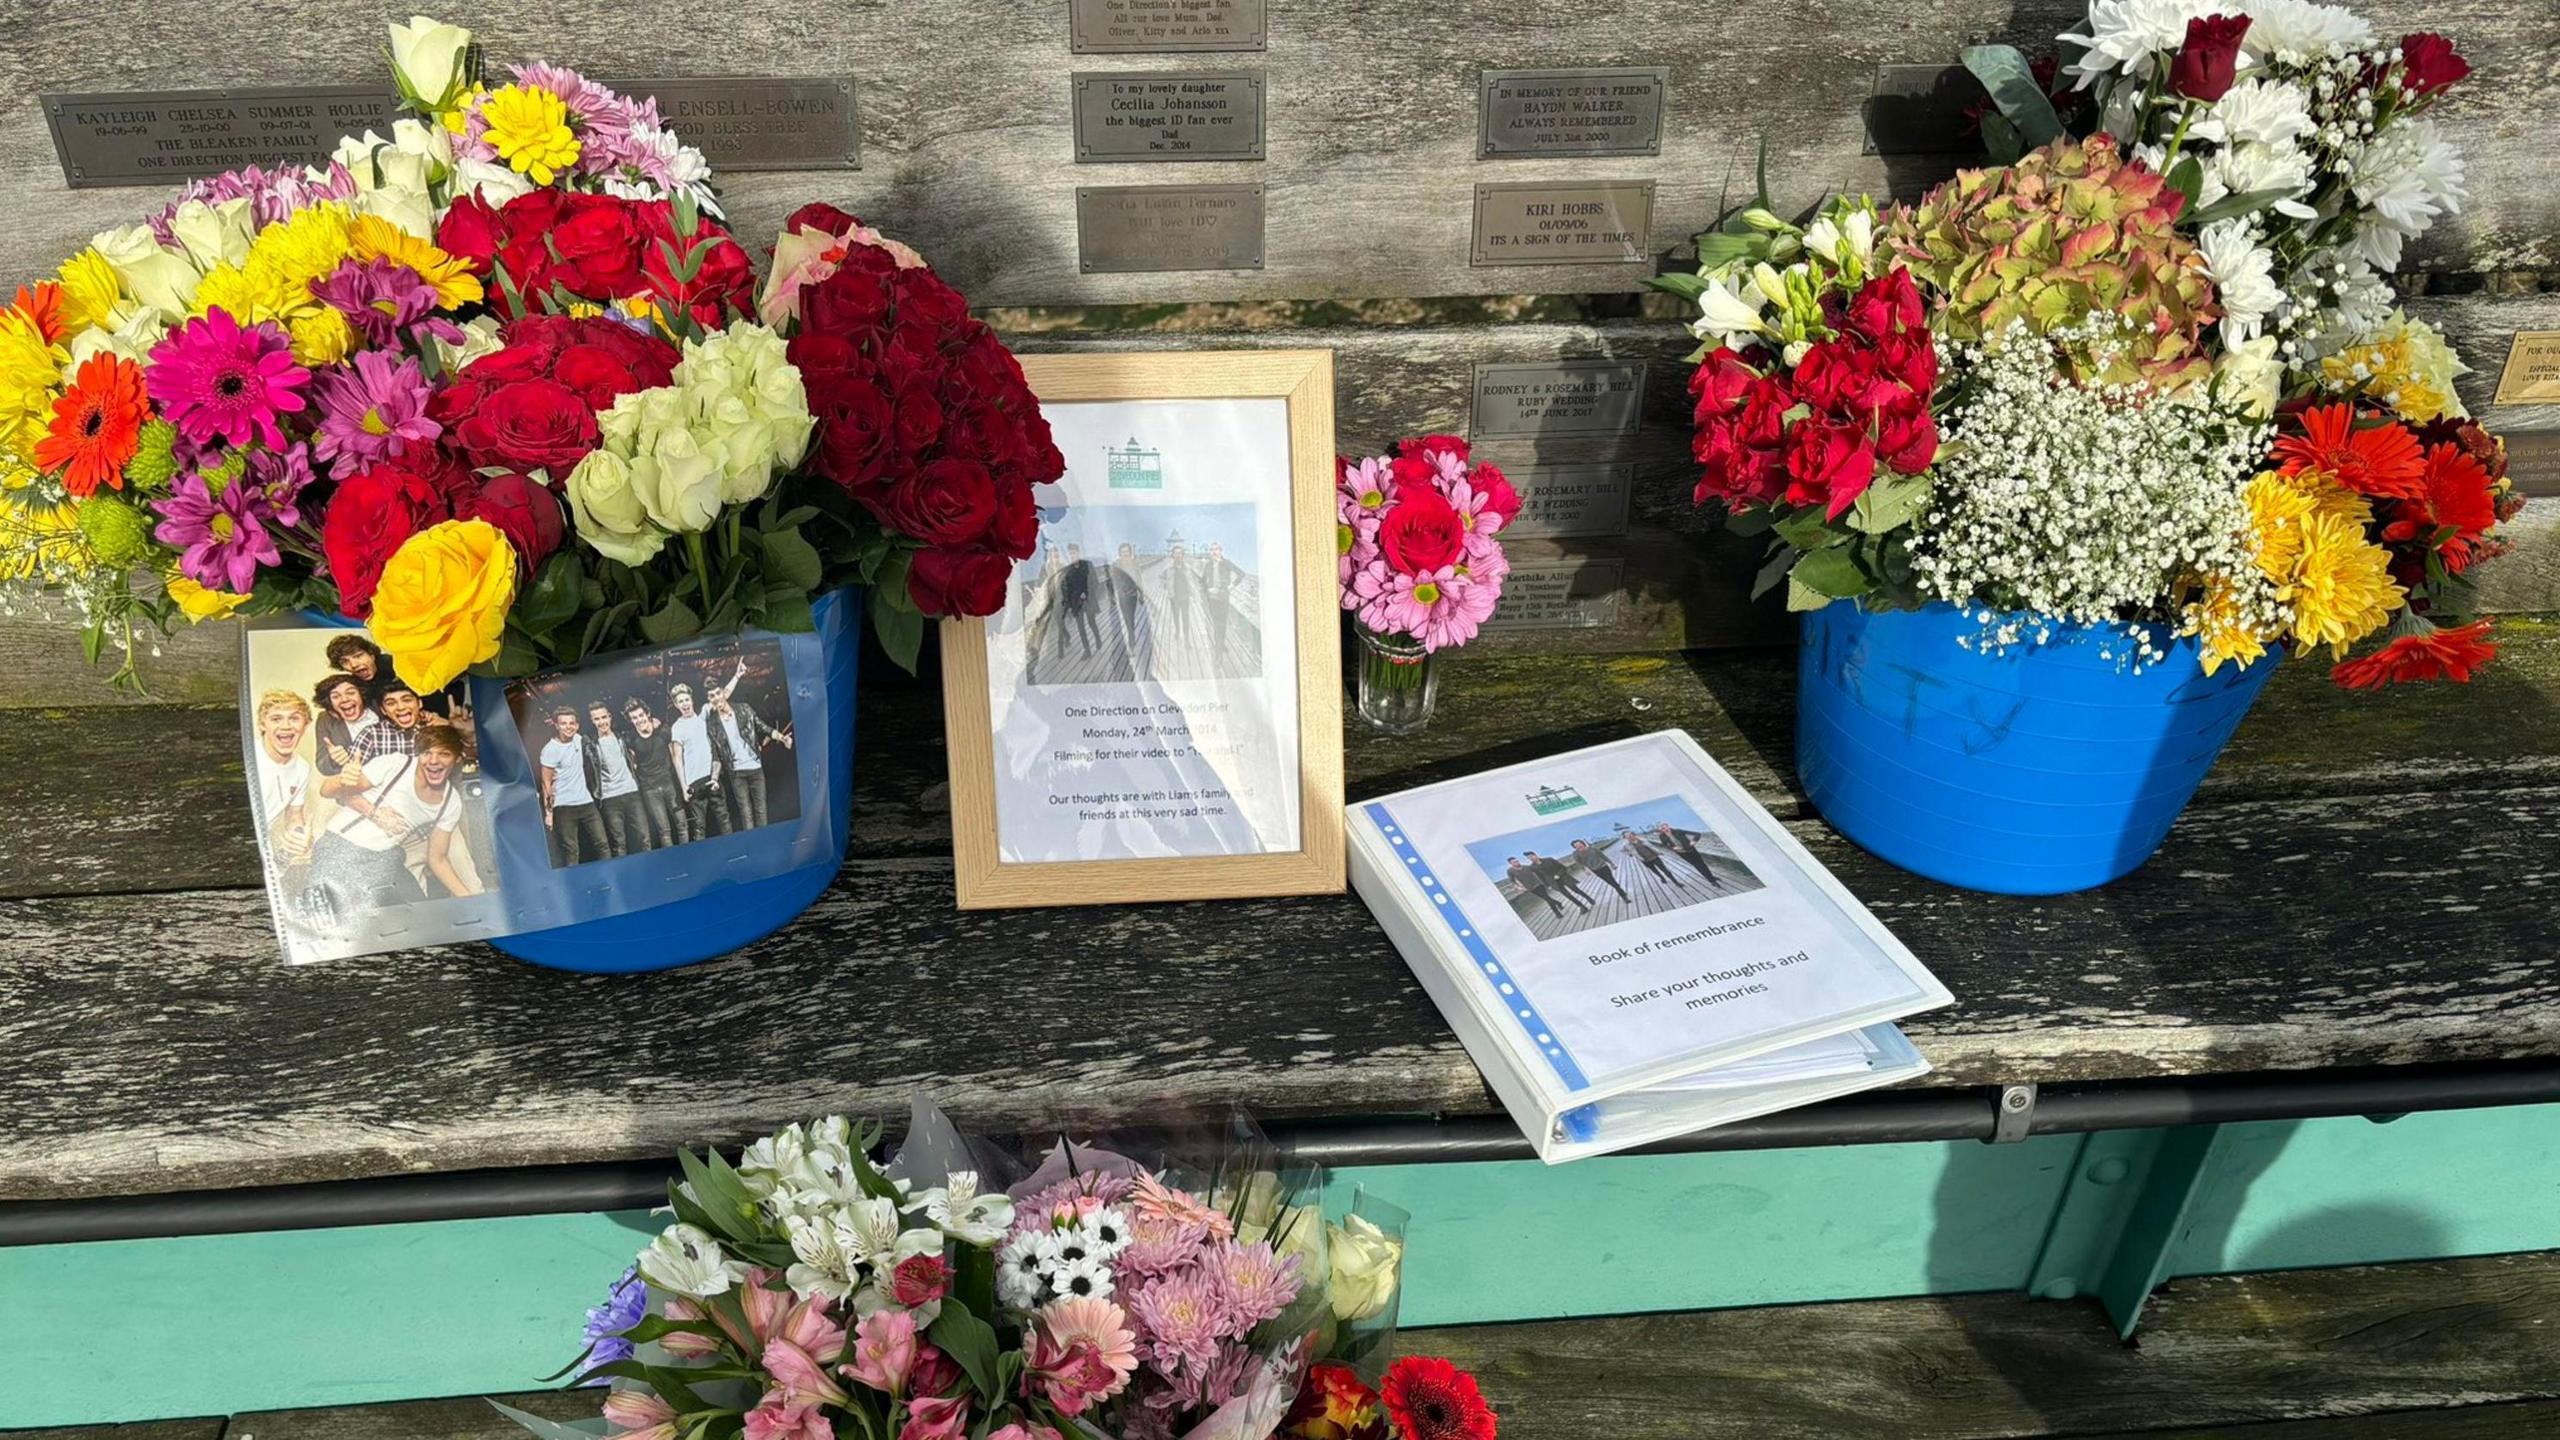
(373, 409)
(213, 377)
(1099, 1324)
(1436, 607)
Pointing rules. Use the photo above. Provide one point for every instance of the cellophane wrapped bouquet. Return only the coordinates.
(2145, 382)
(807, 1293)
(503, 386)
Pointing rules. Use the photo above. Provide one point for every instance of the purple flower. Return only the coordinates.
(213, 376)
(1182, 1316)
(223, 533)
(280, 477)
(373, 409)
(624, 1306)
(273, 194)
(588, 101)
(381, 297)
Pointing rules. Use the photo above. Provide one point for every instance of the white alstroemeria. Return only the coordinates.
(867, 1229)
(426, 58)
(2261, 109)
(2243, 276)
(2245, 169)
(688, 1261)
(962, 1213)
(1729, 311)
(481, 335)
(821, 1265)
(767, 1166)
(2122, 36)
(2298, 31)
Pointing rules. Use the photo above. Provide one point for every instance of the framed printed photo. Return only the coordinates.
(1156, 713)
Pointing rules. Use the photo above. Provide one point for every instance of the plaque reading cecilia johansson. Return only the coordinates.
(1573, 112)
(1136, 228)
(1598, 222)
(153, 137)
(1176, 115)
(1140, 27)
(1538, 400)
(760, 122)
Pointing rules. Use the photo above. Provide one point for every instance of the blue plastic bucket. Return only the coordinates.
(2038, 771)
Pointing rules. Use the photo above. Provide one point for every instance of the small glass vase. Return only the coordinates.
(1399, 681)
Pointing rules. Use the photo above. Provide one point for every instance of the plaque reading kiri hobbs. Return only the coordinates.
(1172, 115)
(1130, 229)
(153, 137)
(1599, 222)
(1138, 27)
(1573, 112)
(760, 122)
(1543, 399)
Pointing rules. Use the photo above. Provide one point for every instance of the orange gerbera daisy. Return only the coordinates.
(97, 425)
(42, 303)
(2429, 654)
(2380, 459)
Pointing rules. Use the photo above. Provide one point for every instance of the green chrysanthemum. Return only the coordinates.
(156, 463)
(119, 534)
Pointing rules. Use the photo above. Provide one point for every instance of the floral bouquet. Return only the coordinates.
(503, 386)
(806, 1293)
(1421, 562)
(2147, 383)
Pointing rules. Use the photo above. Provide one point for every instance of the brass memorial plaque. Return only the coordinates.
(760, 122)
(1168, 115)
(1593, 111)
(1581, 500)
(1144, 27)
(1540, 400)
(1567, 595)
(159, 137)
(2532, 372)
(1597, 222)
(1128, 229)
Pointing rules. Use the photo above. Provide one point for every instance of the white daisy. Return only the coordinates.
(2298, 30)
(2123, 35)
(1105, 1232)
(1021, 1272)
(2243, 277)
(1086, 1279)
(2269, 112)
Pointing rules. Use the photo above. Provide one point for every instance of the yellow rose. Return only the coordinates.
(1366, 1260)
(199, 604)
(442, 602)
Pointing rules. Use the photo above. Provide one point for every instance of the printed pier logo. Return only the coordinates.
(1552, 799)
(1134, 468)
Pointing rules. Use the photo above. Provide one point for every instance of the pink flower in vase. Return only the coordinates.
(1438, 608)
(1485, 500)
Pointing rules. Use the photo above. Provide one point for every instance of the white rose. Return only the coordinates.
(216, 233)
(481, 336)
(492, 182)
(678, 484)
(161, 279)
(412, 210)
(608, 511)
(132, 339)
(427, 57)
(1366, 1260)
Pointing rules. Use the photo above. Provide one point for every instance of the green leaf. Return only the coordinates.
(776, 518)
(1760, 174)
(718, 1201)
(1806, 529)
(670, 623)
(1772, 571)
(793, 558)
(964, 1337)
(787, 612)
(93, 640)
(2023, 103)
(2000, 140)
(1749, 519)
(1680, 283)
(901, 632)
(517, 654)
(2230, 207)
(1717, 251)
(974, 1279)
(553, 598)
(2187, 178)
(1892, 502)
(1832, 574)
(1801, 596)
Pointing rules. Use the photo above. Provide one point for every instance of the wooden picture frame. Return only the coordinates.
(983, 877)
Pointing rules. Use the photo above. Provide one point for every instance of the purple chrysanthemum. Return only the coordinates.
(624, 1306)
(281, 477)
(222, 533)
(215, 377)
(1182, 1316)
(1258, 1284)
(374, 408)
(588, 101)
(381, 298)
(273, 195)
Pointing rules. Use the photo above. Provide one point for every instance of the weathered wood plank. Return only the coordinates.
(967, 147)
(2256, 940)
(2383, 1343)
(2524, 1420)
(210, 1428)
(468, 1417)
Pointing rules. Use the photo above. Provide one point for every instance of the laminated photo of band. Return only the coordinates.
(1124, 593)
(1586, 871)
(368, 796)
(660, 749)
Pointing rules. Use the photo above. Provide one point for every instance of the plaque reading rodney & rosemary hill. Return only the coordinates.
(1168, 115)
(1140, 27)
(1537, 400)
(760, 122)
(152, 137)
(1596, 222)
(1580, 500)
(1127, 229)
(1594, 111)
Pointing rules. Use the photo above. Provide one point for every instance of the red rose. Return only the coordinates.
(854, 301)
(370, 515)
(470, 231)
(1494, 494)
(948, 502)
(2428, 64)
(2206, 63)
(526, 513)
(1837, 376)
(1764, 410)
(1907, 435)
(1720, 382)
(958, 582)
(819, 215)
(1887, 305)
(920, 1280)
(1430, 445)
(724, 280)
(1421, 532)
(600, 241)
(1910, 359)
(1412, 472)
(535, 424)
(532, 404)
(1828, 464)
(1016, 529)
(928, 299)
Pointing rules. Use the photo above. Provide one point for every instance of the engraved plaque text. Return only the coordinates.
(760, 122)
(1170, 115)
(2532, 372)
(1600, 222)
(1573, 112)
(153, 137)
(1571, 595)
(1139, 27)
(1572, 499)
(1565, 397)
(1134, 228)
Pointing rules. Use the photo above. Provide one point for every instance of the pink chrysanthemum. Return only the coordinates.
(281, 477)
(1259, 1285)
(212, 377)
(1370, 485)
(222, 535)
(1182, 1316)
(381, 298)
(273, 195)
(1438, 608)
(587, 101)
(1152, 1199)
(373, 409)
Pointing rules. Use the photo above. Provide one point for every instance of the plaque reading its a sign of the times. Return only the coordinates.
(1573, 112)
(1172, 115)
(1542, 399)
(1571, 499)
(1566, 595)
(153, 137)
(2531, 375)
(1597, 222)
(1141, 27)
(760, 122)
(1135, 228)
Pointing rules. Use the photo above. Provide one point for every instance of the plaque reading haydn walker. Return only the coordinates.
(1573, 112)
(1139, 27)
(760, 122)
(1123, 229)
(152, 137)
(1538, 400)
(1599, 222)
(1175, 115)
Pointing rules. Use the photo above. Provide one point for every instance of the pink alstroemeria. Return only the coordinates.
(884, 1351)
(940, 1417)
(1024, 1432)
(639, 1415)
(801, 1376)
(684, 1344)
(778, 1417)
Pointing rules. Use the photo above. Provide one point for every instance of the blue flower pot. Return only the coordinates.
(2039, 771)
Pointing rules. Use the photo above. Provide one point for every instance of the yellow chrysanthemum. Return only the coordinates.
(529, 128)
(2222, 627)
(375, 238)
(2341, 589)
(304, 247)
(2277, 509)
(457, 118)
(42, 543)
(320, 335)
(199, 604)
(30, 378)
(2330, 498)
(2406, 366)
(90, 293)
(248, 295)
